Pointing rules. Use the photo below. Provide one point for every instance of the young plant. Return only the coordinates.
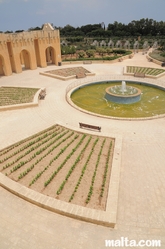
(94, 174)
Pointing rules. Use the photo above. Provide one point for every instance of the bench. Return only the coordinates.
(42, 94)
(80, 75)
(142, 75)
(87, 126)
(87, 62)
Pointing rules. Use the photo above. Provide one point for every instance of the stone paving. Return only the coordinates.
(141, 205)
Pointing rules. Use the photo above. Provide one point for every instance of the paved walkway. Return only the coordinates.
(141, 207)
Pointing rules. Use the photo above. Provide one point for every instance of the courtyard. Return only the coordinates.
(141, 200)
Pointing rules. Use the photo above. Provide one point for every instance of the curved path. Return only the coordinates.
(141, 206)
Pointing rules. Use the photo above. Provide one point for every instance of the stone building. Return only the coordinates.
(29, 50)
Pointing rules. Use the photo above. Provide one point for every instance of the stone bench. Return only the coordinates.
(80, 75)
(87, 126)
(87, 62)
(120, 59)
(142, 75)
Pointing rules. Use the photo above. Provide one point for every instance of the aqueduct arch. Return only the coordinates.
(30, 49)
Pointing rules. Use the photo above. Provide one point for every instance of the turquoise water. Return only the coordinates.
(91, 98)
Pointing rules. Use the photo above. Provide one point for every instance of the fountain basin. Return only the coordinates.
(90, 98)
(128, 95)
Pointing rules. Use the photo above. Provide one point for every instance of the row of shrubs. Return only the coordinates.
(92, 54)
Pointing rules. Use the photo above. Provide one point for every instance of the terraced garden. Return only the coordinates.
(64, 164)
(16, 95)
(145, 70)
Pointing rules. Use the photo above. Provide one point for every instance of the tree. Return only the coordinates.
(6, 32)
(89, 28)
(72, 50)
(101, 51)
(109, 51)
(34, 28)
(90, 52)
(142, 27)
(97, 33)
(67, 30)
(19, 31)
(81, 54)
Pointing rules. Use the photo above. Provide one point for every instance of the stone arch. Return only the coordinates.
(25, 59)
(50, 55)
(2, 69)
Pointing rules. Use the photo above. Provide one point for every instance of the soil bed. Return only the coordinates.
(64, 164)
(16, 95)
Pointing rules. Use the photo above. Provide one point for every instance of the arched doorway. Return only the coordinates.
(50, 55)
(25, 59)
(1, 66)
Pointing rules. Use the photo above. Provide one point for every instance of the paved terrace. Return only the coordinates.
(141, 205)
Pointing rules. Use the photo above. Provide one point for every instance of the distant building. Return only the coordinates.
(29, 50)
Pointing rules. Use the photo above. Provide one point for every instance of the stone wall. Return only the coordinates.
(28, 50)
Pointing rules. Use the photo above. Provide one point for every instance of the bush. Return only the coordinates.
(90, 53)
(162, 54)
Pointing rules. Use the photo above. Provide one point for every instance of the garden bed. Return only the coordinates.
(68, 73)
(16, 95)
(157, 55)
(155, 72)
(64, 164)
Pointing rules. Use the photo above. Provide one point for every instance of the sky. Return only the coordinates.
(24, 14)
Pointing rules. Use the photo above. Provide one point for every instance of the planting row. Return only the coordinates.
(16, 95)
(145, 70)
(64, 164)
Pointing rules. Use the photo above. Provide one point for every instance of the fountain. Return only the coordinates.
(123, 94)
(91, 98)
(123, 87)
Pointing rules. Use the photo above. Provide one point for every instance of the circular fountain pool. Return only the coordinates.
(92, 98)
(123, 94)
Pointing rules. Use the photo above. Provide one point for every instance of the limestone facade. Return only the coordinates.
(29, 50)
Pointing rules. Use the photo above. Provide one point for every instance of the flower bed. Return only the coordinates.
(64, 164)
(16, 95)
(66, 72)
(145, 70)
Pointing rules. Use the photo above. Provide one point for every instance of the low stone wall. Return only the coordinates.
(64, 78)
(105, 218)
(153, 60)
